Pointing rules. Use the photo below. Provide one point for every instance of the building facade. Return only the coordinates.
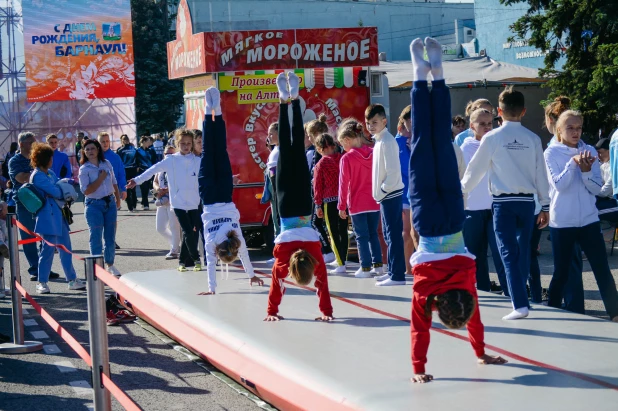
(398, 22)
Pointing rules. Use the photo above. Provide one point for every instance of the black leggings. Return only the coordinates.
(338, 230)
(215, 176)
(190, 222)
(131, 200)
(318, 224)
(293, 177)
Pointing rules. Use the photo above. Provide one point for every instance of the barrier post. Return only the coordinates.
(97, 325)
(19, 346)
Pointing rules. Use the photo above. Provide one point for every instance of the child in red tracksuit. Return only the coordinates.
(444, 271)
(298, 251)
(326, 195)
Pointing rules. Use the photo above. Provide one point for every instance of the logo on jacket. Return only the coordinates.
(516, 145)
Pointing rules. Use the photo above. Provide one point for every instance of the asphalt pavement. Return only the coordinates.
(154, 372)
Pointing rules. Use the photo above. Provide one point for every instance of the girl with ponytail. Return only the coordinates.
(224, 240)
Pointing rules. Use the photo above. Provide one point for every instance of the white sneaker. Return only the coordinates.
(113, 271)
(388, 282)
(171, 256)
(517, 314)
(339, 270)
(377, 271)
(77, 284)
(362, 274)
(329, 258)
(42, 288)
(383, 277)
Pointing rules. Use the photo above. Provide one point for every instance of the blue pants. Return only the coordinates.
(478, 234)
(26, 218)
(101, 218)
(513, 222)
(590, 238)
(366, 231)
(47, 255)
(435, 193)
(215, 176)
(392, 227)
(574, 290)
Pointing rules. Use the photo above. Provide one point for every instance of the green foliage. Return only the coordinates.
(590, 74)
(158, 99)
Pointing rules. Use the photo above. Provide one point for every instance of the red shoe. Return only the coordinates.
(111, 318)
(124, 316)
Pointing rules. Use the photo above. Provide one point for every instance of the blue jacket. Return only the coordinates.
(49, 219)
(128, 155)
(143, 159)
(60, 160)
(460, 138)
(118, 166)
(613, 161)
(404, 161)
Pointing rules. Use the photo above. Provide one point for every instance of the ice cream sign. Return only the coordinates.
(254, 88)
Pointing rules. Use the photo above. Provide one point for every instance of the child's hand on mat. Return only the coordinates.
(209, 293)
(256, 280)
(492, 359)
(319, 212)
(325, 318)
(422, 378)
(343, 215)
(273, 318)
(236, 179)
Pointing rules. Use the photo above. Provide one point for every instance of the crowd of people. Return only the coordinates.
(430, 201)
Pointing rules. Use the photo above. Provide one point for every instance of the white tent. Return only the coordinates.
(463, 71)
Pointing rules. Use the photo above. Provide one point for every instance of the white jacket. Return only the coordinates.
(219, 219)
(512, 156)
(182, 174)
(573, 201)
(386, 169)
(606, 174)
(479, 198)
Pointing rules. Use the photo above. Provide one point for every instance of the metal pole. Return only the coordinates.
(98, 333)
(19, 346)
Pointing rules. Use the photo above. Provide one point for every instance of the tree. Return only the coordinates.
(158, 99)
(584, 34)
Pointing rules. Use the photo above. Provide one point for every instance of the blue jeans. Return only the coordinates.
(590, 238)
(30, 250)
(101, 218)
(513, 222)
(478, 234)
(366, 230)
(435, 193)
(47, 255)
(392, 227)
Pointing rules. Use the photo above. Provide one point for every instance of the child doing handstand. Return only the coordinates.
(298, 251)
(444, 271)
(224, 240)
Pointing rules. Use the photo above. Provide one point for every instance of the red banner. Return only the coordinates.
(289, 49)
(185, 55)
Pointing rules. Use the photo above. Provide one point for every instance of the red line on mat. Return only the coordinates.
(461, 337)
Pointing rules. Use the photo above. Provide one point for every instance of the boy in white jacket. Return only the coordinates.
(224, 240)
(387, 188)
(512, 156)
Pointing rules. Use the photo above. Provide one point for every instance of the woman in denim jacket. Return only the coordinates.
(50, 224)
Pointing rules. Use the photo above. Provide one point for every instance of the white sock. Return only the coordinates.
(213, 101)
(294, 83)
(517, 314)
(282, 86)
(434, 54)
(420, 65)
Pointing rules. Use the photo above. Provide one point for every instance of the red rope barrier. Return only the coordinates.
(120, 395)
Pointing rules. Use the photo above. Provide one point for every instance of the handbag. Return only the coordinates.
(31, 197)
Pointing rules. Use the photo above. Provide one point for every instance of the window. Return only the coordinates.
(376, 84)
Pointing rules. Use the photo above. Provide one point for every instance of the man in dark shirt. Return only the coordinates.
(19, 172)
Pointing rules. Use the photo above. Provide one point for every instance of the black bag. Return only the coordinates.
(67, 214)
